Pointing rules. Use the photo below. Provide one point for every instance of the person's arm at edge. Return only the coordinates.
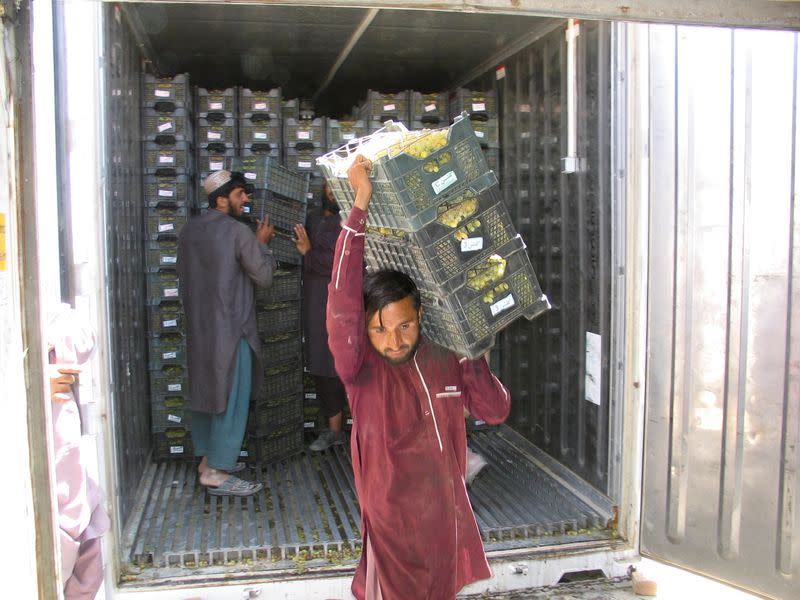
(484, 396)
(255, 257)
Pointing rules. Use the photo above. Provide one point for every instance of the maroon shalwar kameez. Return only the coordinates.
(408, 445)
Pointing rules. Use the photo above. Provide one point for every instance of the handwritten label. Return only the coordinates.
(502, 305)
(163, 93)
(260, 106)
(166, 193)
(214, 135)
(303, 164)
(388, 107)
(166, 227)
(215, 105)
(176, 449)
(169, 355)
(309, 424)
(303, 135)
(166, 159)
(479, 106)
(260, 135)
(174, 418)
(174, 387)
(250, 175)
(472, 244)
(169, 323)
(480, 134)
(430, 107)
(244, 454)
(216, 166)
(444, 182)
(165, 126)
(169, 260)
(348, 136)
(171, 293)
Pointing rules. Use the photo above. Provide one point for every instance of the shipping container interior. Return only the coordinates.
(551, 476)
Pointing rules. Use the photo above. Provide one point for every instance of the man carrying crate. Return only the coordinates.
(408, 443)
(219, 261)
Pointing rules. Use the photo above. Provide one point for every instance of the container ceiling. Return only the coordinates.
(295, 47)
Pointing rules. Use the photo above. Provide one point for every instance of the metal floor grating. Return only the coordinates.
(309, 510)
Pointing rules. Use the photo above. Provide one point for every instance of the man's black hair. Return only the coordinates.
(381, 288)
(237, 180)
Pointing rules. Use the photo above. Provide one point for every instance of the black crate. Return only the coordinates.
(162, 285)
(165, 350)
(479, 104)
(259, 105)
(283, 212)
(268, 417)
(173, 444)
(168, 161)
(382, 106)
(216, 134)
(169, 412)
(282, 444)
(170, 379)
(165, 222)
(266, 173)
(282, 347)
(167, 128)
(280, 380)
(221, 103)
(429, 108)
(166, 317)
(166, 94)
(161, 254)
(304, 134)
(277, 318)
(167, 191)
(287, 286)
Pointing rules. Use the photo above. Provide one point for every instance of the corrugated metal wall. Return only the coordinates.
(131, 413)
(723, 372)
(565, 220)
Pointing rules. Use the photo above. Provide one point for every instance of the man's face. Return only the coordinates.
(394, 331)
(235, 202)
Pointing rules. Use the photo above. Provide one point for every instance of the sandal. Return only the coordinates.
(233, 486)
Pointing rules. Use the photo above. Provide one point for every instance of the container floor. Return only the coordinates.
(308, 514)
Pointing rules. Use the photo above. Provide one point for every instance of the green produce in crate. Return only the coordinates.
(463, 232)
(489, 296)
(451, 214)
(492, 269)
(386, 232)
(437, 163)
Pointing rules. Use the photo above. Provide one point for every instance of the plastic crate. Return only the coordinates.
(280, 348)
(167, 160)
(216, 102)
(303, 160)
(267, 173)
(280, 380)
(264, 133)
(160, 254)
(170, 379)
(381, 106)
(166, 191)
(173, 444)
(290, 108)
(216, 134)
(287, 286)
(487, 132)
(167, 128)
(479, 104)
(161, 286)
(214, 160)
(169, 412)
(268, 417)
(429, 108)
(492, 159)
(166, 94)
(284, 213)
(304, 133)
(262, 151)
(259, 105)
(284, 250)
(277, 318)
(164, 222)
(166, 317)
(406, 190)
(166, 349)
(466, 320)
(281, 444)
(340, 132)
(312, 416)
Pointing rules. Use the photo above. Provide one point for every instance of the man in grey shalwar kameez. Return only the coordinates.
(219, 262)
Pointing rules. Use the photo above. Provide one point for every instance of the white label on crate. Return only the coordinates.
(309, 424)
(171, 293)
(304, 164)
(172, 355)
(388, 107)
(166, 193)
(259, 135)
(303, 135)
(166, 159)
(348, 136)
(478, 106)
(350, 421)
(480, 134)
(176, 449)
(260, 106)
(163, 93)
(472, 244)
(214, 135)
(525, 135)
(169, 323)
(479, 422)
(164, 126)
(246, 209)
(174, 418)
(162, 227)
(310, 195)
(215, 105)
(430, 107)
(169, 260)
(311, 396)
(244, 454)
(593, 368)
(174, 387)
(500, 72)
(444, 182)
(502, 305)
(524, 108)
(250, 175)
(216, 166)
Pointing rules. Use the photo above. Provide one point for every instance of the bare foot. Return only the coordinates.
(213, 477)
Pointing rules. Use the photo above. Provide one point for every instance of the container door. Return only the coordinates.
(723, 358)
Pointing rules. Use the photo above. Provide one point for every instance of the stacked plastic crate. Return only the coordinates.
(260, 123)
(216, 133)
(482, 110)
(428, 110)
(379, 107)
(168, 196)
(304, 142)
(437, 215)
